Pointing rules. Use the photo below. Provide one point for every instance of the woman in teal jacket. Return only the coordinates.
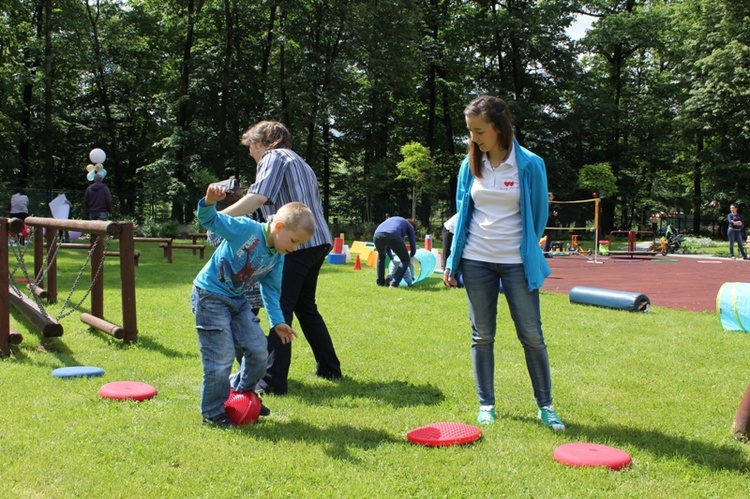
(502, 209)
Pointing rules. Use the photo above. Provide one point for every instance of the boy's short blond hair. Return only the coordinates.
(296, 216)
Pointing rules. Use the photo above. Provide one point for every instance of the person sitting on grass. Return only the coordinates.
(227, 328)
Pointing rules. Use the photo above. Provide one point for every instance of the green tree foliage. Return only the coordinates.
(414, 168)
(656, 90)
(598, 179)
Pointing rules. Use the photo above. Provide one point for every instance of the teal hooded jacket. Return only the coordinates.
(532, 180)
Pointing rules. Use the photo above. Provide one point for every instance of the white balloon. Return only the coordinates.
(97, 156)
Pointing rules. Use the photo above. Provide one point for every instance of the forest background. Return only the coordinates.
(650, 108)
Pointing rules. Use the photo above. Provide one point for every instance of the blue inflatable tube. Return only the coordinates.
(427, 263)
(733, 305)
(609, 298)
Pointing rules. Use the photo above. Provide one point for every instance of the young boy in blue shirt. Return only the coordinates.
(227, 328)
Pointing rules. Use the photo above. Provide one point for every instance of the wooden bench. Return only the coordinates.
(163, 240)
(136, 254)
(194, 247)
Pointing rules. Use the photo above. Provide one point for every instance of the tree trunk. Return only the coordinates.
(49, 166)
(266, 56)
(127, 203)
(697, 180)
(181, 207)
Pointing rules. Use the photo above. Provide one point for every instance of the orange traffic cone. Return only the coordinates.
(357, 264)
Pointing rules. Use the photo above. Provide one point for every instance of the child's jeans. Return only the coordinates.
(227, 328)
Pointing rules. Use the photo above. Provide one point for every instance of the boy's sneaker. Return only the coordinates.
(221, 421)
(550, 418)
(486, 416)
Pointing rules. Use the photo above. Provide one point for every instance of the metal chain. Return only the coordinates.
(39, 277)
(60, 314)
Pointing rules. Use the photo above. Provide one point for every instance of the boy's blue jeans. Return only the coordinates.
(227, 329)
(481, 280)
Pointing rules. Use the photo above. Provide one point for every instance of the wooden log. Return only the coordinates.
(127, 283)
(89, 226)
(38, 290)
(15, 338)
(44, 324)
(5, 223)
(103, 325)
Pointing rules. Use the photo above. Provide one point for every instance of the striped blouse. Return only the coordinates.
(283, 177)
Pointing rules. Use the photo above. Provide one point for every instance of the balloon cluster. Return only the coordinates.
(97, 157)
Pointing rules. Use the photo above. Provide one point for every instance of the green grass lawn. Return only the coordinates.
(662, 386)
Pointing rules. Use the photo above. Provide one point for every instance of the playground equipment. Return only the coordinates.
(425, 263)
(609, 298)
(8, 336)
(733, 306)
(574, 247)
(363, 249)
(337, 256)
(46, 269)
(671, 242)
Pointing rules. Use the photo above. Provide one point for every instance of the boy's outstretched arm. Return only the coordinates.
(286, 333)
(214, 193)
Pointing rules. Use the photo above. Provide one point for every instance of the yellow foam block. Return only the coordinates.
(372, 259)
(362, 248)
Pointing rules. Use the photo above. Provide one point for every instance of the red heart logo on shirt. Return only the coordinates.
(509, 183)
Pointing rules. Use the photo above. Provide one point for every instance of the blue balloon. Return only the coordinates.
(90, 176)
(103, 173)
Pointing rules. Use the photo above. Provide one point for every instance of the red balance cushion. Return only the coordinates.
(445, 433)
(127, 390)
(583, 454)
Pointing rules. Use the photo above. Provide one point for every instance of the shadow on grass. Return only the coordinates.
(54, 346)
(337, 440)
(395, 393)
(150, 344)
(716, 457)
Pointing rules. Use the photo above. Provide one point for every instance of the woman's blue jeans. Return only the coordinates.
(482, 282)
(227, 328)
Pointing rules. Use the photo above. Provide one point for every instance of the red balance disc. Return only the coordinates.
(582, 454)
(446, 433)
(127, 390)
(242, 407)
